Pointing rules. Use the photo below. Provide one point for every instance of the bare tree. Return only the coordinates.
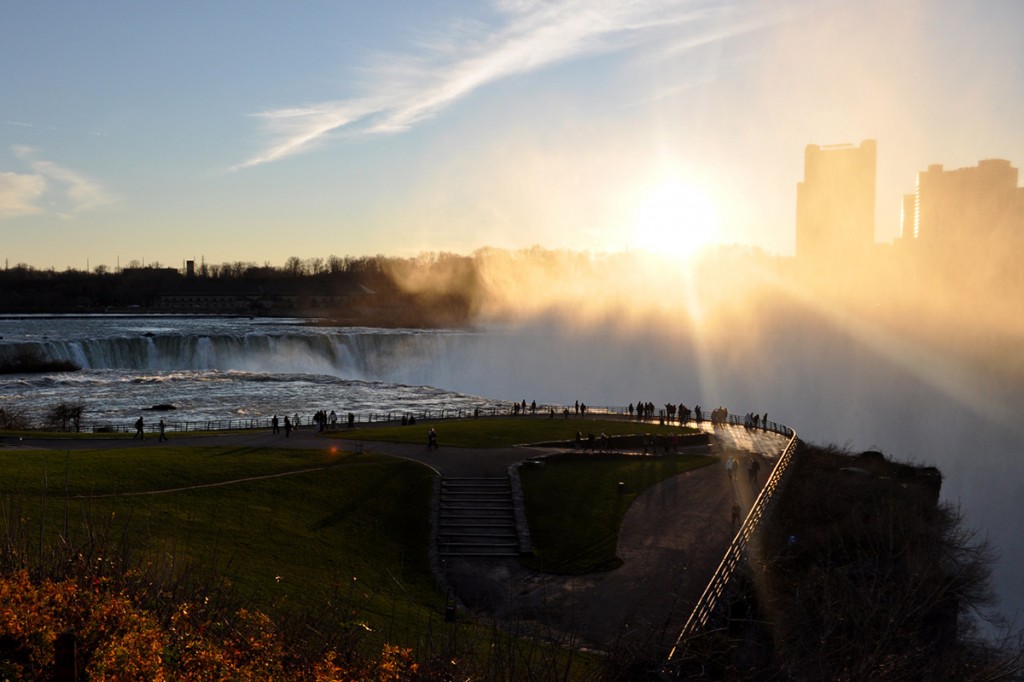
(65, 417)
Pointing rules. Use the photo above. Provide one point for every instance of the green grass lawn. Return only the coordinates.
(574, 506)
(351, 539)
(496, 432)
(157, 467)
(347, 541)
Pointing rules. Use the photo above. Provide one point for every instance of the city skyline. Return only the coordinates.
(194, 132)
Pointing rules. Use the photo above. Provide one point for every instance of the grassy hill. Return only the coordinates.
(342, 536)
(332, 545)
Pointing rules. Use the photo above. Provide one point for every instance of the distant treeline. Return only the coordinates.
(900, 286)
(364, 290)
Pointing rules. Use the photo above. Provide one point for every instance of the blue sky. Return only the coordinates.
(255, 131)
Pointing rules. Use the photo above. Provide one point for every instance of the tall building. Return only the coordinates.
(969, 210)
(908, 218)
(835, 203)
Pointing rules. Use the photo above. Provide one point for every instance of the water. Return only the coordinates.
(223, 369)
(854, 385)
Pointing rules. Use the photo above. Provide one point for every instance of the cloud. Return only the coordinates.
(405, 89)
(73, 191)
(19, 194)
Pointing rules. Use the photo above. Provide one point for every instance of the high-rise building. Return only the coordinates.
(835, 203)
(908, 218)
(968, 210)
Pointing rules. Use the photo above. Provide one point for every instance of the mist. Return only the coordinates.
(887, 352)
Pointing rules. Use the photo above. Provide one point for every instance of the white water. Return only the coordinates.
(830, 384)
(221, 369)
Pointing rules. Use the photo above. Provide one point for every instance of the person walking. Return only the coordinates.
(163, 434)
(287, 426)
(139, 433)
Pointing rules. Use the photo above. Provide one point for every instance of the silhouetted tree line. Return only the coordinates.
(416, 290)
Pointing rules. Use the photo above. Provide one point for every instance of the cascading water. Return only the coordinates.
(218, 369)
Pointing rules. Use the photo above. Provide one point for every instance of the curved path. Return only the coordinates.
(671, 539)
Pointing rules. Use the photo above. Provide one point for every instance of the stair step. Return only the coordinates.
(477, 518)
(478, 545)
(477, 538)
(497, 505)
(483, 555)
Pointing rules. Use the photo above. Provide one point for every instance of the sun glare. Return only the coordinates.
(674, 218)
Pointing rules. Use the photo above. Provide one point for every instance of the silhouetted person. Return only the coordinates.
(163, 434)
(432, 439)
(274, 425)
(287, 426)
(139, 433)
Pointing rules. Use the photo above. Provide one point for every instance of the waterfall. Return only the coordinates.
(364, 354)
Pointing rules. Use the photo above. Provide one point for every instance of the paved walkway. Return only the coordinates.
(671, 539)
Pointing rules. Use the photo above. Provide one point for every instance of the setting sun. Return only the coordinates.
(675, 218)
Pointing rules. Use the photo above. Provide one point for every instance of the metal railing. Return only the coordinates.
(395, 416)
(709, 601)
(151, 424)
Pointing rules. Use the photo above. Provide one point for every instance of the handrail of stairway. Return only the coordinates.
(709, 600)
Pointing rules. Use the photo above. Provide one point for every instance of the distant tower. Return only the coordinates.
(190, 269)
(969, 209)
(835, 203)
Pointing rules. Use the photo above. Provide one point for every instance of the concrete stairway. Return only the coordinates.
(477, 518)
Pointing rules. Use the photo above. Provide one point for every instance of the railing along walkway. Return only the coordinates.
(709, 601)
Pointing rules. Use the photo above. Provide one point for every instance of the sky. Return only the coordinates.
(256, 131)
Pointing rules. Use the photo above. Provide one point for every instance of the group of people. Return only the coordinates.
(519, 408)
(322, 419)
(753, 420)
(592, 443)
(719, 416)
(753, 468)
(642, 411)
(275, 425)
(670, 413)
(140, 430)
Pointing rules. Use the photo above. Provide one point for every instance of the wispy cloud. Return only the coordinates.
(19, 194)
(406, 89)
(72, 191)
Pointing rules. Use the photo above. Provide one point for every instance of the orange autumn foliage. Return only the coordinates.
(50, 628)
